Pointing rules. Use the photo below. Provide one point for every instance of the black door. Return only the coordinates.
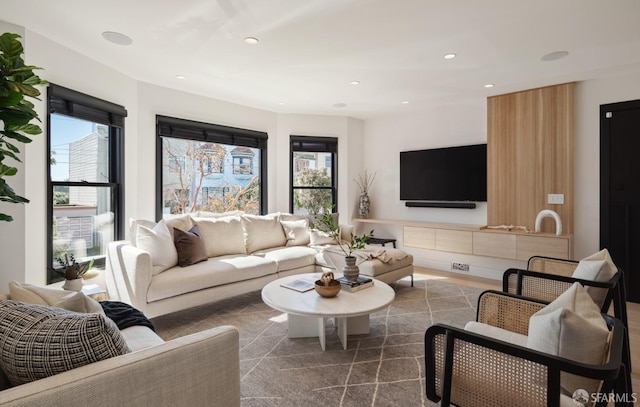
(620, 189)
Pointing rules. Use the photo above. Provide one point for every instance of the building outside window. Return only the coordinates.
(209, 167)
(85, 139)
(313, 174)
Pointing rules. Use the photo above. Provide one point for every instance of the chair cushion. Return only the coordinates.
(190, 246)
(297, 232)
(262, 232)
(37, 341)
(159, 243)
(496, 333)
(571, 327)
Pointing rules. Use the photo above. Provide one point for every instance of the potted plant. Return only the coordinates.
(17, 82)
(72, 271)
(355, 242)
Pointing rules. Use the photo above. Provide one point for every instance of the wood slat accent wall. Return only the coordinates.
(530, 154)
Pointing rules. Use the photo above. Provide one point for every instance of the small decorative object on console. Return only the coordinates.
(72, 271)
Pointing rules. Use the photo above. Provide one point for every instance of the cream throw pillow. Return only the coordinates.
(133, 228)
(69, 300)
(597, 267)
(571, 327)
(297, 232)
(183, 222)
(262, 232)
(159, 243)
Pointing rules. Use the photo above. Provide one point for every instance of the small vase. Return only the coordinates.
(364, 205)
(72, 285)
(350, 270)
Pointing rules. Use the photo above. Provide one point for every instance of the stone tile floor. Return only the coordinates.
(382, 368)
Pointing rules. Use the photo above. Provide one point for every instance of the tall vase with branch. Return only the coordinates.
(364, 182)
(355, 242)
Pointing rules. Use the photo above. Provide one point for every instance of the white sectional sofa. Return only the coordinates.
(148, 371)
(242, 253)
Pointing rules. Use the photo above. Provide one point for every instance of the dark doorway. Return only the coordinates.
(620, 189)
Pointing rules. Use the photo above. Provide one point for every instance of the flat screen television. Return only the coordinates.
(444, 174)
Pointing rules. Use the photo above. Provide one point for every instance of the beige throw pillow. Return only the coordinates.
(319, 238)
(70, 300)
(597, 267)
(571, 327)
(159, 243)
(297, 232)
(133, 228)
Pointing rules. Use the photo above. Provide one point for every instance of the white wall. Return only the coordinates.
(23, 245)
(465, 123)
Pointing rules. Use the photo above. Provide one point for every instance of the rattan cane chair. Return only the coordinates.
(546, 278)
(468, 369)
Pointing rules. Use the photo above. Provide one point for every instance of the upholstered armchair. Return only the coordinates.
(493, 361)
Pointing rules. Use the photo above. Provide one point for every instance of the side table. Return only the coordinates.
(382, 241)
(95, 291)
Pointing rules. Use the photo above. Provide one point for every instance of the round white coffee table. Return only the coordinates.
(307, 312)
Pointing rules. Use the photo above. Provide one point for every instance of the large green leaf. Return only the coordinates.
(10, 46)
(16, 136)
(32, 129)
(12, 98)
(6, 218)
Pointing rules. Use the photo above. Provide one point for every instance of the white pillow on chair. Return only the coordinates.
(571, 327)
(597, 267)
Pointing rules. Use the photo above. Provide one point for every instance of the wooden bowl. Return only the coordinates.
(328, 291)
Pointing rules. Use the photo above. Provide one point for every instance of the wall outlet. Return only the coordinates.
(555, 199)
(459, 266)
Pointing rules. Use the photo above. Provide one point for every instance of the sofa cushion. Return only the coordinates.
(496, 333)
(214, 272)
(183, 222)
(37, 341)
(296, 231)
(571, 327)
(289, 258)
(190, 246)
(206, 214)
(222, 236)
(262, 232)
(159, 243)
(320, 238)
(140, 337)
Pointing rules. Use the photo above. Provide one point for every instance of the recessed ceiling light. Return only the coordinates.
(355, 83)
(489, 85)
(251, 40)
(405, 102)
(117, 38)
(450, 56)
(340, 105)
(552, 56)
(181, 77)
(281, 103)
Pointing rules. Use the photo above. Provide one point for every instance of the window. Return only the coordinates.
(85, 173)
(313, 173)
(209, 167)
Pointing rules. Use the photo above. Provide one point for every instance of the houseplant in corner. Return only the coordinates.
(17, 81)
(355, 242)
(72, 271)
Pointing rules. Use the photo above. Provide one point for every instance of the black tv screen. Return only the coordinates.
(444, 174)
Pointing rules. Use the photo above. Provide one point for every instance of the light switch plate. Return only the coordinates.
(555, 199)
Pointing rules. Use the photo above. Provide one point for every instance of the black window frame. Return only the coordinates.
(211, 133)
(68, 102)
(314, 144)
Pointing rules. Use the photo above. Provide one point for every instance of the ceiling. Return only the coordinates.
(309, 51)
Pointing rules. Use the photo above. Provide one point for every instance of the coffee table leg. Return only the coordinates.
(341, 325)
(306, 327)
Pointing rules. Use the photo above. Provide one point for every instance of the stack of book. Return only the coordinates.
(360, 284)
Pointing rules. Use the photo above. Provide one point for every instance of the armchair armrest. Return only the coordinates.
(201, 369)
(466, 368)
